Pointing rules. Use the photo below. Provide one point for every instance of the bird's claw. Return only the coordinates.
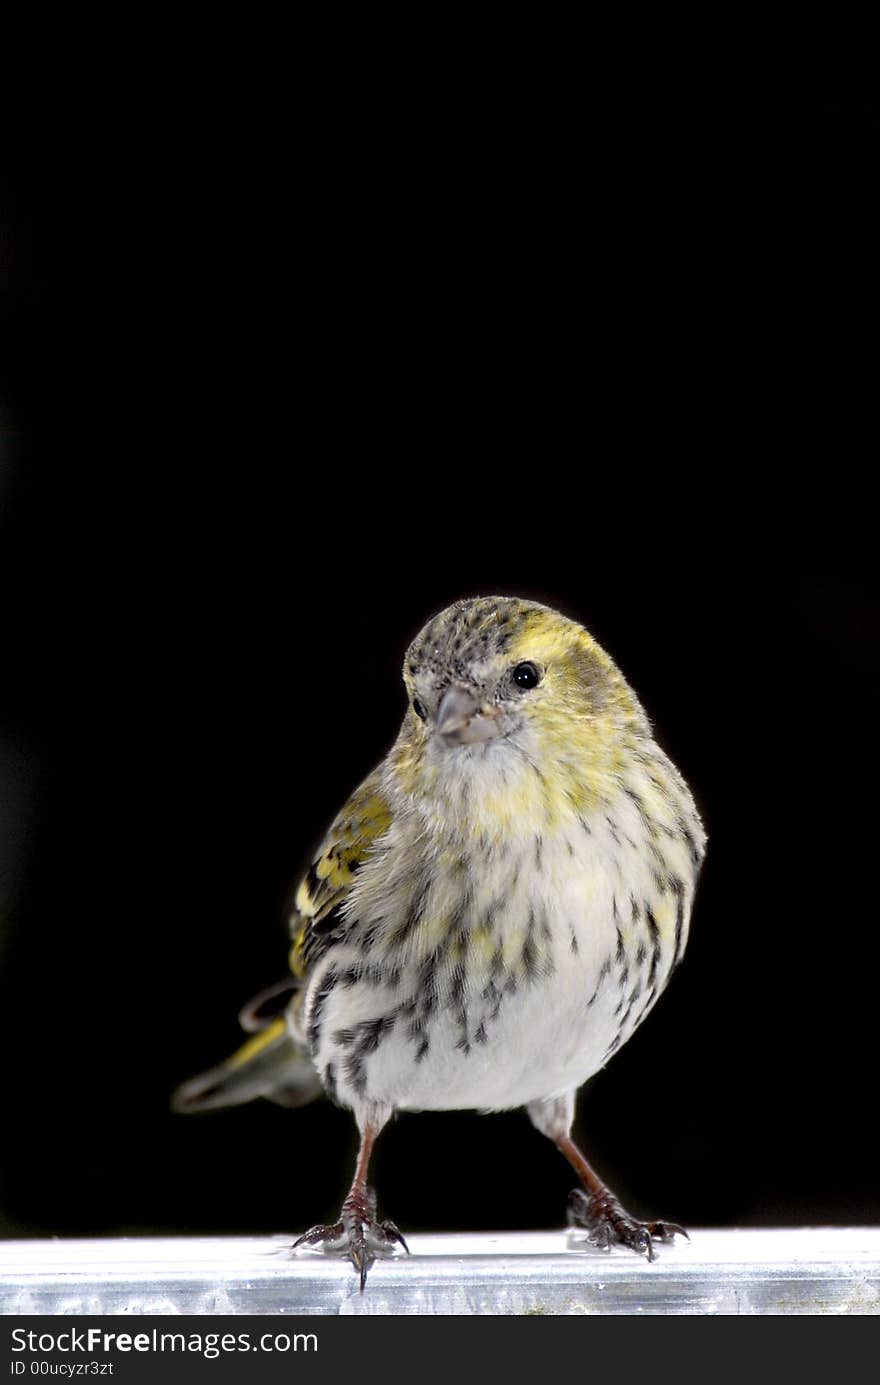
(357, 1235)
(608, 1224)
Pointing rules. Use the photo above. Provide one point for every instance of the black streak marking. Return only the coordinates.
(413, 918)
(604, 971)
(696, 854)
(373, 1031)
(320, 928)
(530, 956)
(428, 979)
(623, 1019)
(655, 939)
(649, 1001)
(457, 983)
(369, 1035)
(324, 990)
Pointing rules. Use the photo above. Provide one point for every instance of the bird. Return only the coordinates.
(490, 916)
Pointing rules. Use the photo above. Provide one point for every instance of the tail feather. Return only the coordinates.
(267, 1005)
(269, 1064)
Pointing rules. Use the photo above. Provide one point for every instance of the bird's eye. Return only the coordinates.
(526, 676)
(419, 709)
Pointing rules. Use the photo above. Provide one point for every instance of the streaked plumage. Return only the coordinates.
(495, 909)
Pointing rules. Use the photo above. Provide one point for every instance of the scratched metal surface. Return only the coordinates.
(729, 1272)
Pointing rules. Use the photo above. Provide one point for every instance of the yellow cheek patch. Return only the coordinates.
(579, 674)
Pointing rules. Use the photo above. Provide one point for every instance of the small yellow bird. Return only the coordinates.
(490, 916)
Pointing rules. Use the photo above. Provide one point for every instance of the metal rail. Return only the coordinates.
(751, 1272)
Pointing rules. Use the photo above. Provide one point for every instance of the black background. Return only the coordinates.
(270, 399)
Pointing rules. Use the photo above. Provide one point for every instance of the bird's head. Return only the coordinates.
(498, 677)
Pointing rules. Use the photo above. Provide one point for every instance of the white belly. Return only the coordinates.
(544, 1041)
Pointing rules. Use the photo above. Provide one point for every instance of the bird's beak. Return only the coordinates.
(462, 720)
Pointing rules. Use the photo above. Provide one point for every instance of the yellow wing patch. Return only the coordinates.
(355, 830)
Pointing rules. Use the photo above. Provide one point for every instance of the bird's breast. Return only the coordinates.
(489, 972)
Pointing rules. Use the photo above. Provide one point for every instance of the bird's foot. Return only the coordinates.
(357, 1235)
(608, 1224)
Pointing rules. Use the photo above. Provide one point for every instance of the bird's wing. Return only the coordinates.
(318, 916)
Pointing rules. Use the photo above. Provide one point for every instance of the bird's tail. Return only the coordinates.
(272, 1063)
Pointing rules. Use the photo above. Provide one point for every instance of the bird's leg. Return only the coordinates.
(595, 1208)
(358, 1235)
(598, 1212)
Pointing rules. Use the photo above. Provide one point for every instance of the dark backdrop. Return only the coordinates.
(254, 436)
